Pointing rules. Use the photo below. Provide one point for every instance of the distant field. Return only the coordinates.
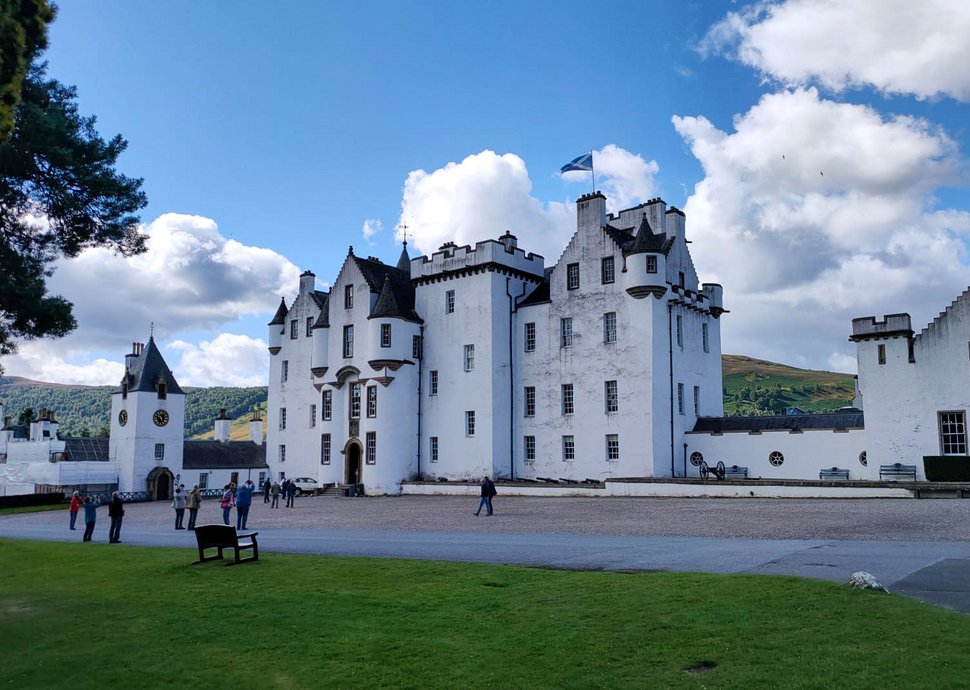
(754, 386)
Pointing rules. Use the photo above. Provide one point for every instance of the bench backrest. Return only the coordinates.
(216, 535)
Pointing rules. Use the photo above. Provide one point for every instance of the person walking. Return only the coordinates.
(266, 488)
(290, 492)
(490, 488)
(275, 492)
(193, 503)
(116, 511)
(244, 499)
(226, 503)
(178, 503)
(487, 491)
(90, 516)
(74, 508)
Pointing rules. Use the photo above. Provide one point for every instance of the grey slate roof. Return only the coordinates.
(847, 418)
(386, 304)
(148, 369)
(404, 261)
(280, 317)
(216, 455)
(541, 294)
(323, 301)
(377, 273)
(646, 240)
(623, 238)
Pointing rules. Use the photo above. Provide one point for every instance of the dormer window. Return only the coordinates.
(162, 390)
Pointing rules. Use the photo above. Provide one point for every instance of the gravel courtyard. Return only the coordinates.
(851, 519)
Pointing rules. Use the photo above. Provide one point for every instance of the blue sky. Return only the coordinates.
(823, 171)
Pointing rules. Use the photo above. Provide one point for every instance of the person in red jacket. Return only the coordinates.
(74, 508)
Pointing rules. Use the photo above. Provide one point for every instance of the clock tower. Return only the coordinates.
(147, 420)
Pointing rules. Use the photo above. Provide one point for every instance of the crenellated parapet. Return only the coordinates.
(892, 326)
(452, 261)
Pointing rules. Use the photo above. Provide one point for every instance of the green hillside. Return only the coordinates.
(84, 410)
(753, 386)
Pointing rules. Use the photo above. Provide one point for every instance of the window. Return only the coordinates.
(203, 480)
(433, 382)
(572, 276)
(417, 347)
(348, 341)
(565, 332)
(325, 449)
(327, 405)
(612, 447)
(568, 448)
(284, 371)
(607, 270)
(953, 433)
(697, 401)
(349, 297)
(469, 357)
(371, 401)
(470, 423)
(282, 418)
(530, 337)
(530, 448)
(385, 335)
(776, 458)
(530, 401)
(159, 452)
(162, 390)
(680, 398)
(862, 459)
(262, 478)
(680, 281)
(371, 450)
(309, 326)
(450, 302)
(680, 331)
(651, 264)
(434, 448)
(881, 354)
(282, 453)
(355, 401)
(612, 397)
(705, 338)
(567, 398)
(313, 416)
(609, 327)
(696, 459)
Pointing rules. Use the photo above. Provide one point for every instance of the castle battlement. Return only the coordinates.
(892, 325)
(451, 258)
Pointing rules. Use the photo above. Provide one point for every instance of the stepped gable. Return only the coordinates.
(623, 238)
(214, 455)
(541, 294)
(847, 418)
(964, 298)
(376, 273)
(147, 369)
(322, 300)
(279, 318)
(647, 241)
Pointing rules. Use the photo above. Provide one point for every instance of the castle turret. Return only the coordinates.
(714, 294)
(222, 427)
(276, 327)
(645, 272)
(391, 327)
(320, 354)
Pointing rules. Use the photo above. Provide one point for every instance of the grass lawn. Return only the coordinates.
(95, 615)
(35, 509)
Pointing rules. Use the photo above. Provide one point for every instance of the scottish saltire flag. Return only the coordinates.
(584, 162)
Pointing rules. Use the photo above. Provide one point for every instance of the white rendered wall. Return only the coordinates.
(132, 446)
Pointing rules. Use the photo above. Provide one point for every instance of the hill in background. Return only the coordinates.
(756, 387)
(751, 387)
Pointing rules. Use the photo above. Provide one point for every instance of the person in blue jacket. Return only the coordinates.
(90, 515)
(244, 499)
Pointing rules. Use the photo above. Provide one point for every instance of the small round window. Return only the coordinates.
(776, 458)
(862, 459)
(696, 459)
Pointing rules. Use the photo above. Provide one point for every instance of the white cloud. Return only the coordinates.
(227, 360)
(486, 194)
(895, 46)
(372, 226)
(191, 279)
(812, 213)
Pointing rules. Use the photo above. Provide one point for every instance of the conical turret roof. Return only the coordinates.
(646, 240)
(280, 318)
(404, 262)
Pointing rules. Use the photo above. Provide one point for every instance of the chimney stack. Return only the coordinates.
(222, 427)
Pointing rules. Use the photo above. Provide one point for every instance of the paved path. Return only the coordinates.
(584, 534)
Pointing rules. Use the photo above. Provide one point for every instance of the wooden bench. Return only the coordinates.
(735, 472)
(834, 473)
(225, 537)
(897, 471)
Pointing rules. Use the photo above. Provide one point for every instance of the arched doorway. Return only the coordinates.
(353, 471)
(160, 481)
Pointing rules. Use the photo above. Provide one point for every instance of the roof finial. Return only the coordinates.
(404, 228)
(151, 331)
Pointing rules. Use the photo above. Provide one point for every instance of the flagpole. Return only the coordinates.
(593, 172)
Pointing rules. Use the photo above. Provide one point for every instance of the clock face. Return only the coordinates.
(123, 417)
(160, 417)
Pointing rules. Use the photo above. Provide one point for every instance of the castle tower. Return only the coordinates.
(147, 421)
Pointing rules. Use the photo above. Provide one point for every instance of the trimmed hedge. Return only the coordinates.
(947, 468)
(21, 500)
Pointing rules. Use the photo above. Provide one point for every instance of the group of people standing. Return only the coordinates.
(274, 490)
(183, 501)
(116, 511)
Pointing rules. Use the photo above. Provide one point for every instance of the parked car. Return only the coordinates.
(305, 485)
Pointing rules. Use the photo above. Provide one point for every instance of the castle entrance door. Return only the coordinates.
(160, 482)
(352, 468)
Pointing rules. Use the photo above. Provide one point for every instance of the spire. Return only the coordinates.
(280, 318)
(149, 369)
(404, 263)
